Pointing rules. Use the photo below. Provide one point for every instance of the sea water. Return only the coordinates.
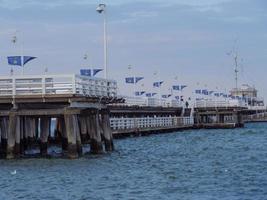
(193, 164)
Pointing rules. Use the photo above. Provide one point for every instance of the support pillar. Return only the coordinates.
(17, 150)
(95, 136)
(4, 133)
(72, 129)
(44, 133)
(107, 134)
(11, 137)
(84, 128)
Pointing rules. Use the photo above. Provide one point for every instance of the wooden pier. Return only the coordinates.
(218, 117)
(78, 103)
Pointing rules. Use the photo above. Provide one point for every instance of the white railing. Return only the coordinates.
(151, 102)
(57, 84)
(149, 122)
(221, 103)
(258, 116)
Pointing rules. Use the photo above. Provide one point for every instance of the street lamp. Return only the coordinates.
(101, 8)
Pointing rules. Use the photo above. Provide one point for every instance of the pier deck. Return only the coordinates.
(79, 104)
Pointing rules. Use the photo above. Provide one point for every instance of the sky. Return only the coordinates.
(176, 41)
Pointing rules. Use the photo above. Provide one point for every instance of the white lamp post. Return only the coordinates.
(101, 8)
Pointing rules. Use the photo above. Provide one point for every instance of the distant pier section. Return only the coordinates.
(78, 103)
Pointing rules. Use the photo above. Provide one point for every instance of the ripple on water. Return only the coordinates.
(196, 164)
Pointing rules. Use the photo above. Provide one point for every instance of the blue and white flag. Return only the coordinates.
(198, 91)
(166, 96)
(85, 72)
(95, 71)
(205, 92)
(176, 87)
(157, 84)
(211, 92)
(14, 60)
(27, 59)
(17, 60)
(137, 79)
(139, 93)
(129, 80)
(183, 87)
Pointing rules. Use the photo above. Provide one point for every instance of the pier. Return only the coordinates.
(223, 114)
(78, 103)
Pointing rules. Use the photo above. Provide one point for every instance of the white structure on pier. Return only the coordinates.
(57, 85)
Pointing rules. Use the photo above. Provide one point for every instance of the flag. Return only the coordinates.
(166, 96)
(176, 87)
(183, 87)
(85, 72)
(137, 79)
(129, 80)
(14, 60)
(95, 71)
(27, 59)
(205, 92)
(211, 92)
(139, 93)
(150, 94)
(198, 91)
(157, 84)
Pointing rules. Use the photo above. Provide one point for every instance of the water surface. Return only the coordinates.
(196, 164)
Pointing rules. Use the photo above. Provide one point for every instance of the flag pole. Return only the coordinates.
(22, 52)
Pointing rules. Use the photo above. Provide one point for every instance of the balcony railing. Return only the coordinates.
(149, 122)
(57, 84)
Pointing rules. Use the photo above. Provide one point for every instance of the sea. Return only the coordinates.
(193, 164)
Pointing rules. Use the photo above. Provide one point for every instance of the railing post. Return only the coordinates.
(43, 86)
(13, 87)
(74, 84)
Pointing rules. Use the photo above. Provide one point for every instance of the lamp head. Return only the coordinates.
(101, 8)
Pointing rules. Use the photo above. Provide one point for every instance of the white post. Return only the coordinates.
(105, 44)
(102, 9)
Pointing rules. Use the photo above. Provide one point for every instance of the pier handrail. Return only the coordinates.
(149, 122)
(57, 84)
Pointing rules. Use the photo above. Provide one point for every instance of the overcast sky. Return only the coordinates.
(184, 38)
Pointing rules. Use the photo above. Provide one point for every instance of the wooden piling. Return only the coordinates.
(107, 134)
(11, 138)
(62, 134)
(4, 133)
(44, 133)
(95, 136)
(83, 128)
(72, 130)
(17, 150)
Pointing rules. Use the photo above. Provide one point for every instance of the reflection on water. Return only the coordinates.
(197, 164)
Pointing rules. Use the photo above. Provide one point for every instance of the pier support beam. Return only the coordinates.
(62, 134)
(13, 135)
(73, 134)
(4, 133)
(44, 133)
(107, 134)
(30, 131)
(95, 135)
(84, 129)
